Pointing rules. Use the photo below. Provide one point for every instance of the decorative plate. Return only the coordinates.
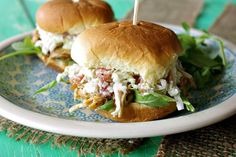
(21, 76)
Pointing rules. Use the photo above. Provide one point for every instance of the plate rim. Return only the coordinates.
(117, 130)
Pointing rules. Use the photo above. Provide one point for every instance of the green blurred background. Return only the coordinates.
(18, 16)
(15, 20)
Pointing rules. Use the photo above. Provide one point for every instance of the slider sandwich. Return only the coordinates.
(60, 21)
(127, 73)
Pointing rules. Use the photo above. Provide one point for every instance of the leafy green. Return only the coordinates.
(199, 59)
(12, 54)
(107, 106)
(22, 48)
(188, 105)
(159, 100)
(152, 99)
(46, 87)
(26, 44)
(186, 27)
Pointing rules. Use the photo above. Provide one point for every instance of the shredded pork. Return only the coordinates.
(96, 86)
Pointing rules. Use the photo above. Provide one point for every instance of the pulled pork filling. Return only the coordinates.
(48, 42)
(97, 86)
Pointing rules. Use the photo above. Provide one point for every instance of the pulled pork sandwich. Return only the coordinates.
(60, 21)
(125, 72)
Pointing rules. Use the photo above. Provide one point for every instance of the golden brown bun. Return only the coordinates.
(135, 112)
(146, 49)
(58, 16)
(57, 63)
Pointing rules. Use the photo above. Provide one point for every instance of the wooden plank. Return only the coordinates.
(171, 11)
(32, 6)
(11, 148)
(13, 19)
(120, 7)
(225, 26)
(211, 11)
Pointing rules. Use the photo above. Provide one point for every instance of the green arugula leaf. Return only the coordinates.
(222, 52)
(28, 41)
(109, 105)
(159, 100)
(152, 99)
(18, 53)
(186, 27)
(220, 43)
(200, 60)
(24, 45)
(18, 46)
(188, 105)
(22, 48)
(46, 87)
(187, 41)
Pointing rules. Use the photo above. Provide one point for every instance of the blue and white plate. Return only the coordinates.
(21, 76)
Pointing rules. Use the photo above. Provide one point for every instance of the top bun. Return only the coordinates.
(60, 16)
(147, 49)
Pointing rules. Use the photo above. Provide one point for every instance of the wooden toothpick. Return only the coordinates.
(75, 1)
(136, 7)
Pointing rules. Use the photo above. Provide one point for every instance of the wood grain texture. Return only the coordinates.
(211, 11)
(11, 148)
(13, 19)
(170, 11)
(225, 26)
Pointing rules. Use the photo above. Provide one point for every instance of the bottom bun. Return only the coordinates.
(57, 60)
(135, 112)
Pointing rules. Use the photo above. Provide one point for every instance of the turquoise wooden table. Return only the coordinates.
(17, 16)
